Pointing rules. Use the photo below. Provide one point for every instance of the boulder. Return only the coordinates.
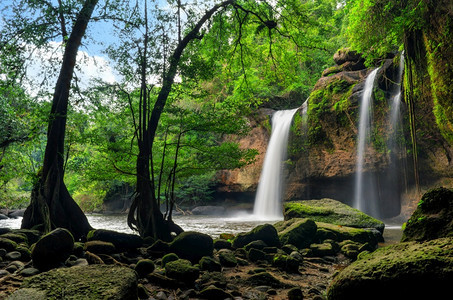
(341, 233)
(122, 241)
(192, 245)
(144, 267)
(99, 247)
(286, 263)
(182, 270)
(433, 217)
(52, 249)
(17, 237)
(410, 270)
(209, 264)
(7, 244)
(267, 233)
(227, 258)
(87, 282)
(346, 55)
(222, 244)
(168, 258)
(209, 210)
(330, 211)
(298, 232)
(3, 217)
(16, 213)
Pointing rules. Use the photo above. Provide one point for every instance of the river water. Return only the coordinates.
(211, 225)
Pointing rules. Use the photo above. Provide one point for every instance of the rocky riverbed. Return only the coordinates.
(299, 258)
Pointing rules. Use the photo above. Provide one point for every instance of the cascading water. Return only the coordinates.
(395, 175)
(366, 204)
(269, 193)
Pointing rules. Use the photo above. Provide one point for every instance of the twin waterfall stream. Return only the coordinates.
(268, 201)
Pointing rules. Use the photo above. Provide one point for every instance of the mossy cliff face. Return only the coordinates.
(428, 89)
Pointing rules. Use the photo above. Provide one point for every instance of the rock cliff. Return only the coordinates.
(322, 148)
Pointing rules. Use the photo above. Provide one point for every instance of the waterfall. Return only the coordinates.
(366, 204)
(269, 193)
(394, 178)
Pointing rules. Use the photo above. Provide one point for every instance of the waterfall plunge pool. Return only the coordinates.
(211, 225)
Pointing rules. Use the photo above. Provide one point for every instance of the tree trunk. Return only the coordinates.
(51, 204)
(144, 214)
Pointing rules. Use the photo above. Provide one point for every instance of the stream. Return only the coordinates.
(211, 225)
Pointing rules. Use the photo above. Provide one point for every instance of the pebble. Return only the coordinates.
(13, 255)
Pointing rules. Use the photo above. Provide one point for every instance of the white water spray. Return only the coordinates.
(360, 202)
(269, 193)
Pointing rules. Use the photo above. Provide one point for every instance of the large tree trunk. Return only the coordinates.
(51, 204)
(144, 214)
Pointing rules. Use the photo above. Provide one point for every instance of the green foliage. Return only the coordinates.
(376, 27)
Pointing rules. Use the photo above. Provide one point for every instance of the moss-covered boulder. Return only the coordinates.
(330, 211)
(227, 258)
(266, 232)
(17, 237)
(122, 241)
(87, 282)
(168, 258)
(182, 270)
(99, 247)
(209, 264)
(265, 278)
(192, 245)
(52, 249)
(433, 217)
(144, 267)
(7, 244)
(298, 232)
(340, 233)
(408, 270)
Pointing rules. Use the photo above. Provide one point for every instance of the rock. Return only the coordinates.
(296, 231)
(122, 241)
(144, 267)
(7, 244)
(158, 249)
(226, 236)
(433, 217)
(99, 247)
(267, 233)
(192, 245)
(341, 233)
(182, 270)
(410, 270)
(3, 217)
(13, 255)
(346, 55)
(4, 230)
(332, 212)
(286, 263)
(295, 294)
(88, 282)
(17, 237)
(209, 264)
(260, 245)
(214, 293)
(52, 249)
(209, 210)
(27, 272)
(265, 278)
(320, 250)
(222, 244)
(255, 255)
(32, 235)
(168, 258)
(17, 213)
(216, 279)
(227, 258)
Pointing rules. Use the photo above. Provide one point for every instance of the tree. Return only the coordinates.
(51, 204)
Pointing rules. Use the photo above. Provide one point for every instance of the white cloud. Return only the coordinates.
(44, 65)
